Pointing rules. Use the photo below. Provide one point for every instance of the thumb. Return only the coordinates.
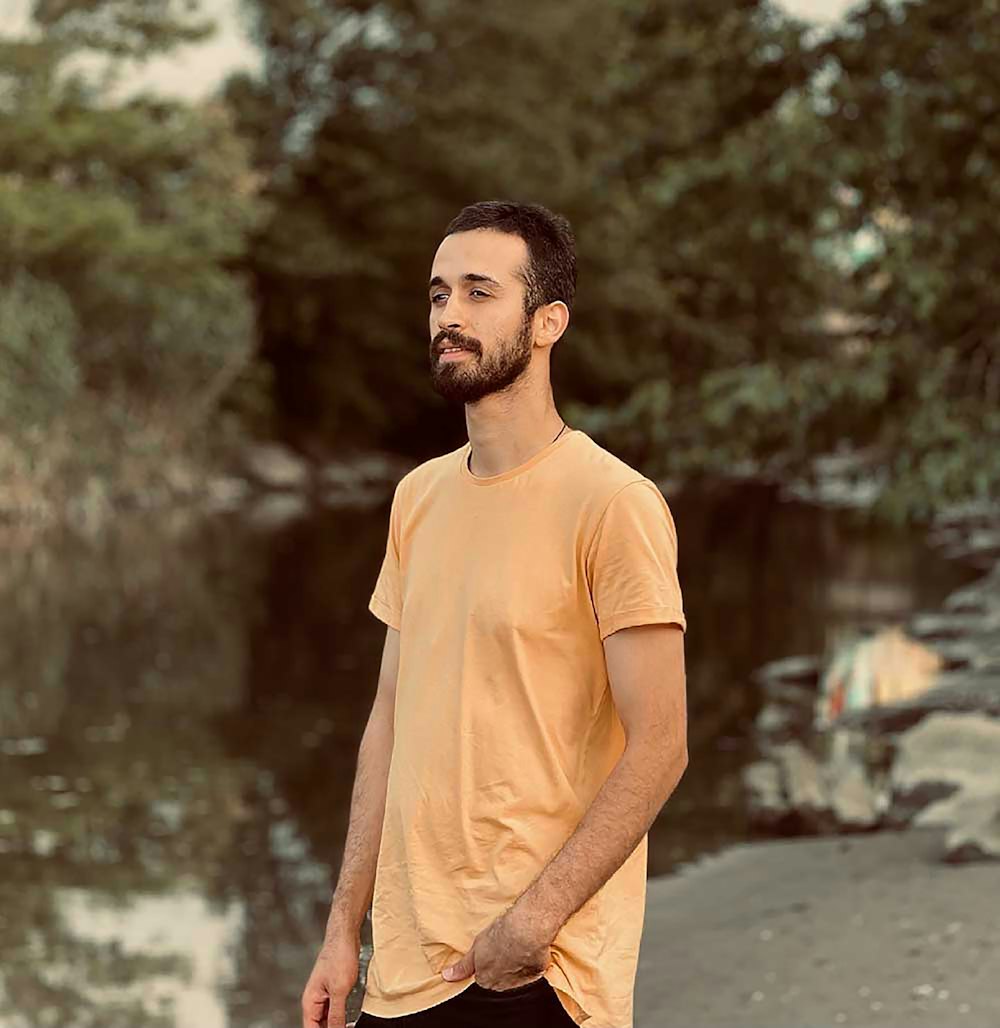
(465, 968)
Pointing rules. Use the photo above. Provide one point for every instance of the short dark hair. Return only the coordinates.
(550, 274)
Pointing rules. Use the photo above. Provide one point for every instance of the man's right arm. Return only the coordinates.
(336, 968)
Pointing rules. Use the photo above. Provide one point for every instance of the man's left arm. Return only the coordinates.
(648, 683)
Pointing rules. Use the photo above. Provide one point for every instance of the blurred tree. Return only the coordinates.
(39, 373)
(122, 229)
(725, 171)
(667, 131)
(913, 107)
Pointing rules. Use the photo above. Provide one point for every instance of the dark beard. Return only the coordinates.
(489, 375)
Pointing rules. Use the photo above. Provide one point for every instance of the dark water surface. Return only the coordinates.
(181, 706)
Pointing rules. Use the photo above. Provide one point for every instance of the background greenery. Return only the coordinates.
(786, 241)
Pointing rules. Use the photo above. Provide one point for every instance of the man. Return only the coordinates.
(530, 719)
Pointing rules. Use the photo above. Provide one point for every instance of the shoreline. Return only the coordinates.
(808, 933)
(836, 927)
(878, 766)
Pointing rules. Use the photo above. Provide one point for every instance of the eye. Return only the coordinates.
(482, 292)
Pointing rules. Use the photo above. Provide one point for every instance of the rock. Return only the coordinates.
(362, 469)
(969, 514)
(977, 835)
(276, 467)
(955, 691)
(774, 721)
(839, 480)
(272, 512)
(782, 722)
(979, 597)
(381, 467)
(959, 753)
(977, 653)
(984, 540)
(766, 804)
(905, 808)
(801, 779)
(362, 480)
(226, 492)
(800, 670)
(953, 625)
(853, 799)
(790, 694)
(342, 475)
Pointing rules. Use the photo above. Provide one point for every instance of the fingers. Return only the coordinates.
(320, 1010)
(315, 1004)
(337, 1015)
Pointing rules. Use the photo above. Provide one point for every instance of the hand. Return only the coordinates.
(324, 999)
(509, 952)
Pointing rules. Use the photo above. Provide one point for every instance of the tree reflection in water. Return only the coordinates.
(142, 854)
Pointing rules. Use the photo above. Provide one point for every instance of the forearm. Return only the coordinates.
(356, 881)
(612, 826)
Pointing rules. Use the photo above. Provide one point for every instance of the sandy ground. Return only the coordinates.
(861, 930)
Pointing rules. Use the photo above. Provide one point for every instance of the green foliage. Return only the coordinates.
(38, 369)
(660, 129)
(777, 237)
(913, 107)
(784, 245)
(123, 226)
(122, 28)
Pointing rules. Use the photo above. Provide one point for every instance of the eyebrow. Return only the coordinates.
(469, 276)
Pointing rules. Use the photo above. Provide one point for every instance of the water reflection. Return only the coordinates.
(185, 944)
(181, 705)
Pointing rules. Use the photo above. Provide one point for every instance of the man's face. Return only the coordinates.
(477, 303)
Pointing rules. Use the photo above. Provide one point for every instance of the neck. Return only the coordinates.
(505, 434)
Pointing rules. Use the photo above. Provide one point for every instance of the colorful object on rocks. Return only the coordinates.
(885, 668)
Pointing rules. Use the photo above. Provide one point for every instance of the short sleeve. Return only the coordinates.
(632, 562)
(386, 601)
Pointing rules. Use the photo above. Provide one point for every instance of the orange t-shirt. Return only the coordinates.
(503, 589)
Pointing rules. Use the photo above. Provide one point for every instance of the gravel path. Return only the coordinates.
(861, 930)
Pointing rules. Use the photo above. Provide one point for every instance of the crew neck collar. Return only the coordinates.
(504, 476)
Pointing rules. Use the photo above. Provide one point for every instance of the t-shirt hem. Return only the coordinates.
(384, 612)
(402, 1008)
(412, 1004)
(642, 616)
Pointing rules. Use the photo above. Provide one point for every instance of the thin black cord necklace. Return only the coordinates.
(468, 460)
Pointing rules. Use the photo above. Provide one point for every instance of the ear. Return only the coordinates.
(551, 321)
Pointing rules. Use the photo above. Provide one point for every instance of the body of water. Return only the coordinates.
(181, 705)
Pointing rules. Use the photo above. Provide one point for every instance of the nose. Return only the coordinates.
(450, 315)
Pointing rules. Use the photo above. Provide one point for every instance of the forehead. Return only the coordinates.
(481, 251)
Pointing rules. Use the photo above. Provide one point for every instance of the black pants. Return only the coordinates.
(534, 1005)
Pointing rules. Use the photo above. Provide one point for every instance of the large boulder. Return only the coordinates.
(794, 791)
(976, 834)
(953, 760)
(854, 801)
(802, 780)
(767, 807)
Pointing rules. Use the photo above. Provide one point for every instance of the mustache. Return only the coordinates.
(450, 339)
